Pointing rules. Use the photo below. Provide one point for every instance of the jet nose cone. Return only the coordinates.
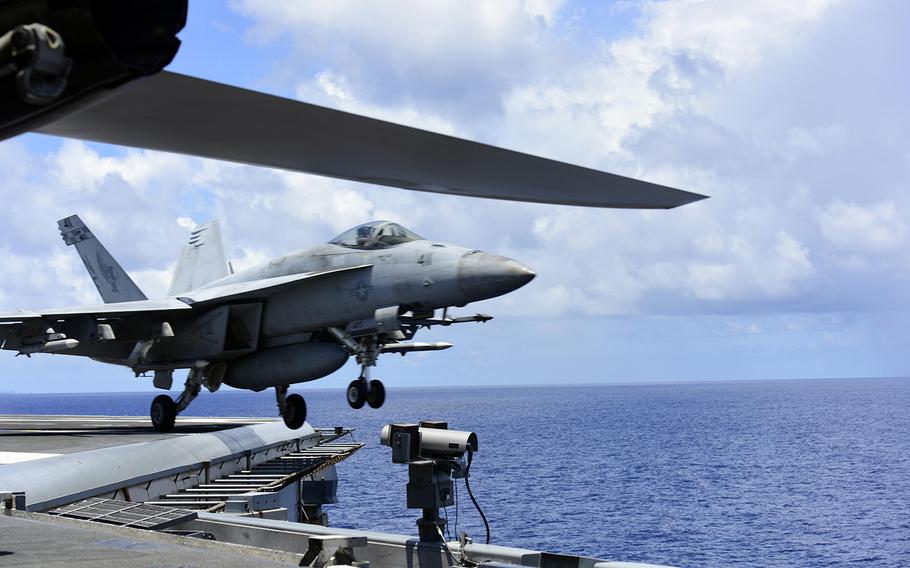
(482, 275)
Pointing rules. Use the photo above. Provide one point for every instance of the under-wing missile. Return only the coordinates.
(428, 321)
(415, 346)
(59, 345)
(481, 318)
(49, 347)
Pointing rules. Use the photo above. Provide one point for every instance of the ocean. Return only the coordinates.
(806, 473)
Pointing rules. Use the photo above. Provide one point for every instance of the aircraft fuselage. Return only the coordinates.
(417, 275)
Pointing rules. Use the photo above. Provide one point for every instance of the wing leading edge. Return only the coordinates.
(188, 115)
(242, 291)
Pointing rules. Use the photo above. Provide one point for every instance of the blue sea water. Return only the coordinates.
(766, 473)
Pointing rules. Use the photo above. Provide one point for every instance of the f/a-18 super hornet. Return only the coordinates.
(293, 319)
(93, 70)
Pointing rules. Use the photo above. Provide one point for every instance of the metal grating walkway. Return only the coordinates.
(267, 477)
(124, 513)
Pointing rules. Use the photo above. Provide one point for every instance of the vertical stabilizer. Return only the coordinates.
(201, 260)
(112, 281)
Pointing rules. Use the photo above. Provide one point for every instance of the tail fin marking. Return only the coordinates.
(201, 261)
(110, 279)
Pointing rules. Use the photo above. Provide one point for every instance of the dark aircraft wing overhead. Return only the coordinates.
(178, 113)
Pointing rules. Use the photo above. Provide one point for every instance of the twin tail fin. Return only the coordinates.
(112, 281)
(201, 261)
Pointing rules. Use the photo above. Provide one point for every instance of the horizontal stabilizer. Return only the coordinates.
(110, 279)
(188, 115)
(201, 260)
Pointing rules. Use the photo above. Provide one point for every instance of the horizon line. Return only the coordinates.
(646, 383)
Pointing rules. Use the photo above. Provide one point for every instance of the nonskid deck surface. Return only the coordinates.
(25, 437)
(43, 540)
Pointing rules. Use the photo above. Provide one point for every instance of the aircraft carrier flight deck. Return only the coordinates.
(111, 491)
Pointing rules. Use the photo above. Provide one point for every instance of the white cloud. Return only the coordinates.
(186, 223)
(875, 228)
(664, 101)
(545, 9)
(791, 115)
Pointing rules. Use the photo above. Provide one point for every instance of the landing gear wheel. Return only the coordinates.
(376, 396)
(163, 413)
(295, 412)
(357, 393)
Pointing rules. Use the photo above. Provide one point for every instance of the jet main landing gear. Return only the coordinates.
(164, 409)
(362, 391)
(163, 412)
(292, 408)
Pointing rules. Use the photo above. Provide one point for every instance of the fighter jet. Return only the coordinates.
(93, 70)
(293, 319)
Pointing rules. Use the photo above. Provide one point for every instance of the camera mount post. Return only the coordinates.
(434, 455)
(429, 488)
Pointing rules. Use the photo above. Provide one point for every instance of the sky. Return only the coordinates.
(791, 115)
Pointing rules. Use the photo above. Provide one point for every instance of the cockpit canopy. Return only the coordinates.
(375, 235)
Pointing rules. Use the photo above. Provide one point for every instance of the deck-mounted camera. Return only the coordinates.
(435, 455)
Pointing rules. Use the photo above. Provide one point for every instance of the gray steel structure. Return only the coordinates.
(126, 504)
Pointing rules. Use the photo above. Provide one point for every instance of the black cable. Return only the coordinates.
(445, 510)
(446, 546)
(467, 484)
(456, 507)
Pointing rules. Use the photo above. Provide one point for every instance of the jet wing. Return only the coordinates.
(188, 115)
(242, 291)
(120, 309)
(258, 289)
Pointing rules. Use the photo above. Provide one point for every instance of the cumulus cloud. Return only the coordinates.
(701, 95)
(791, 115)
(874, 228)
(665, 101)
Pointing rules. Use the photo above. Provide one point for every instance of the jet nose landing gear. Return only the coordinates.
(363, 390)
(292, 408)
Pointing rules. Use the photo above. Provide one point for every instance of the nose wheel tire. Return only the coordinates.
(376, 396)
(295, 411)
(357, 393)
(163, 413)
